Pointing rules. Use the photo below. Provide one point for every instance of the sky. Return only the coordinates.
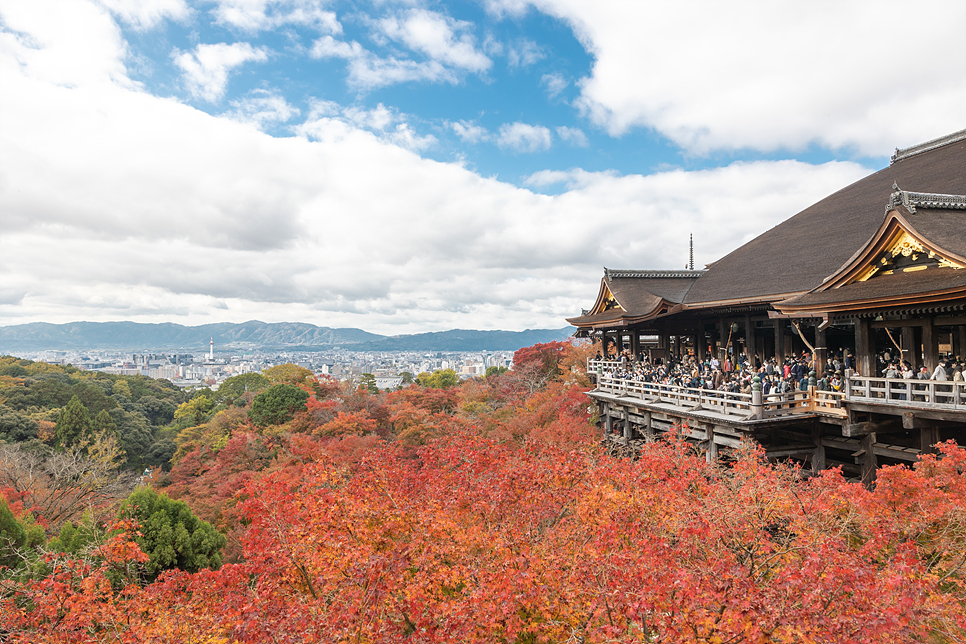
(411, 166)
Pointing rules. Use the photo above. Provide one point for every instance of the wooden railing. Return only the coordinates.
(602, 366)
(722, 402)
(907, 393)
(923, 394)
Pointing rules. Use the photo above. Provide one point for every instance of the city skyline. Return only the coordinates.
(407, 167)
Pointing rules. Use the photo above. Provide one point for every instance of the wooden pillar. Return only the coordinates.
(699, 348)
(818, 456)
(960, 350)
(930, 345)
(821, 352)
(723, 335)
(635, 342)
(750, 340)
(712, 454)
(628, 429)
(864, 360)
(908, 342)
(608, 421)
(648, 427)
(779, 341)
(866, 458)
(928, 437)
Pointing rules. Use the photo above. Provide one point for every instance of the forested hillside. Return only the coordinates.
(297, 509)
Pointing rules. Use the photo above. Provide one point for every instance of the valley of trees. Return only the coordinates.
(288, 508)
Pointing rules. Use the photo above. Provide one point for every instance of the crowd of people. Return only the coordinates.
(891, 364)
(795, 373)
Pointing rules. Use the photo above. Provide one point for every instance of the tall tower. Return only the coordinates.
(691, 263)
(211, 350)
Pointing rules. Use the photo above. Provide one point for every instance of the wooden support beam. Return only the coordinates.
(712, 454)
(821, 352)
(854, 430)
(910, 420)
(803, 450)
(897, 324)
(846, 444)
(727, 441)
(866, 459)
(896, 452)
(928, 437)
(930, 346)
(910, 351)
(779, 340)
(818, 455)
(750, 340)
(865, 360)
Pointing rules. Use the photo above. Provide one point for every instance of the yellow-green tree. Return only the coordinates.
(195, 411)
(288, 374)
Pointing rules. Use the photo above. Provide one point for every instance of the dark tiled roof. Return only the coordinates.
(636, 293)
(884, 287)
(614, 315)
(640, 293)
(798, 254)
(945, 228)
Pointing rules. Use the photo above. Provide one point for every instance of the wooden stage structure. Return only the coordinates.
(876, 268)
(874, 421)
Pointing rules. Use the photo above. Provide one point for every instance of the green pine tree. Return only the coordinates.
(171, 535)
(74, 423)
(104, 423)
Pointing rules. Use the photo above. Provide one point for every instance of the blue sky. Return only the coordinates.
(407, 166)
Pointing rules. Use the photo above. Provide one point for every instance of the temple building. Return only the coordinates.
(875, 268)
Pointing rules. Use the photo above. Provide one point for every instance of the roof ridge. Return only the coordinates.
(905, 153)
(913, 200)
(611, 273)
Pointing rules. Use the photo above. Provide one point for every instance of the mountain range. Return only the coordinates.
(136, 336)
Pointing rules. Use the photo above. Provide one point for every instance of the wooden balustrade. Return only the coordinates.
(909, 393)
(880, 391)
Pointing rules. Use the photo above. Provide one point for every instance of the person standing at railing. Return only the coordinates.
(836, 383)
(940, 372)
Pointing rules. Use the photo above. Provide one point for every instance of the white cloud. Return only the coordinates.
(524, 52)
(262, 108)
(555, 83)
(573, 135)
(405, 137)
(368, 71)
(378, 118)
(387, 124)
(256, 15)
(146, 14)
(206, 68)
(469, 131)
(116, 204)
(83, 46)
(726, 75)
(523, 137)
(441, 38)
